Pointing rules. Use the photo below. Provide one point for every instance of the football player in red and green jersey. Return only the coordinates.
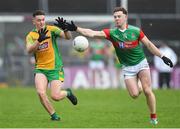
(127, 41)
(41, 42)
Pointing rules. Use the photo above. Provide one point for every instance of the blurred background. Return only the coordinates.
(160, 21)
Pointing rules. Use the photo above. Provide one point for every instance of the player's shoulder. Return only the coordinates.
(51, 27)
(113, 30)
(133, 28)
(31, 33)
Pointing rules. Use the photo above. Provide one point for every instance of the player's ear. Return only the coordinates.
(33, 21)
(126, 16)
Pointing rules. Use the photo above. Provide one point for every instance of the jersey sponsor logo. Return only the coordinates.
(43, 46)
(127, 45)
(121, 44)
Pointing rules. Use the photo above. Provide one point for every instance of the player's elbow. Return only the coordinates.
(68, 38)
(29, 51)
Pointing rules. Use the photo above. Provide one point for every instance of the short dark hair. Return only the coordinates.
(116, 9)
(38, 12)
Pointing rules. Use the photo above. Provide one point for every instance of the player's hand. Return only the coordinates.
(61, 23)
(42, 35)
(167, 61)
(71, 26)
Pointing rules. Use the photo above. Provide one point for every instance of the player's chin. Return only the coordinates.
(118, 25)
(42, 26)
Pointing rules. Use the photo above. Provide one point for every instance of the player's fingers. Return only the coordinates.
(72, 22)
(40, 31)
(61, 19)
(47, 37)
(57, 20)
(46, 32)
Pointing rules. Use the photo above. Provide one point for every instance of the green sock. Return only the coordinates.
(68, 92)
(54, 115)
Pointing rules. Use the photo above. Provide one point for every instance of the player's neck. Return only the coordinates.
(123, 27)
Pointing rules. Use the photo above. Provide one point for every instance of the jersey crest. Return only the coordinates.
(43, 46)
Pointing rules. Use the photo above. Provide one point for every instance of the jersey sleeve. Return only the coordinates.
(29, 39)
(107, 33)
(57, 31)
(141, 35)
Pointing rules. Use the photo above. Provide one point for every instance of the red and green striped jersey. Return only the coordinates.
(127, 44)
(97, 50)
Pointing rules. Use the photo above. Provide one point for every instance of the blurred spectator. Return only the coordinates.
(97, 56)
(117, 65)
(162, 68)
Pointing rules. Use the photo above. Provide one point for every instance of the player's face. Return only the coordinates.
(39, 21)
(120, 19)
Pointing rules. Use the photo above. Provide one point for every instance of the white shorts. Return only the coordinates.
(96, 64)
(132, 71)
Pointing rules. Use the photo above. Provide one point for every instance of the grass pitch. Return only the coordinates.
(20, 108)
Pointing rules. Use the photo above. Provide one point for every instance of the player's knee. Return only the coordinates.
(55, 97)
(134, 95)
(147, 91)
(41, 94)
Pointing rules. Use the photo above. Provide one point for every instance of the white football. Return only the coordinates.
(80, 43)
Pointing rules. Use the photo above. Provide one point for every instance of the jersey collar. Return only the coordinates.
(123, 29)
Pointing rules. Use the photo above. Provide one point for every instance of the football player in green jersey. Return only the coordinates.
(41, 42)
(127, 41)
(97, 54)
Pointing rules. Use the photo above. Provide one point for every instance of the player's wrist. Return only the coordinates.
(161, 55)
(65, 30)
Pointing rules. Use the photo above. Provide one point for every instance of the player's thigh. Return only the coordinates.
(145, 78)
(132, 86)
(41, 82)
(56, 86)
(56, 80)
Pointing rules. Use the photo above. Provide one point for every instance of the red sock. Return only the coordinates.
(153, 116)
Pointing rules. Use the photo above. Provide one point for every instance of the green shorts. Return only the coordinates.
(52, 74)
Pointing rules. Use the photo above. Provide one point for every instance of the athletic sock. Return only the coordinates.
(153, 116)
(54, 116)
(68, 92)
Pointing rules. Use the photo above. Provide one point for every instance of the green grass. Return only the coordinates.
(20, 108)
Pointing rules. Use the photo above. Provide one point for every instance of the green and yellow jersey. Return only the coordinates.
(47, 55)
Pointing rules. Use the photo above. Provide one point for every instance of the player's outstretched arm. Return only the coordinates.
(61, 23)
(91, 33)
(86, 32)
(154, 50)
